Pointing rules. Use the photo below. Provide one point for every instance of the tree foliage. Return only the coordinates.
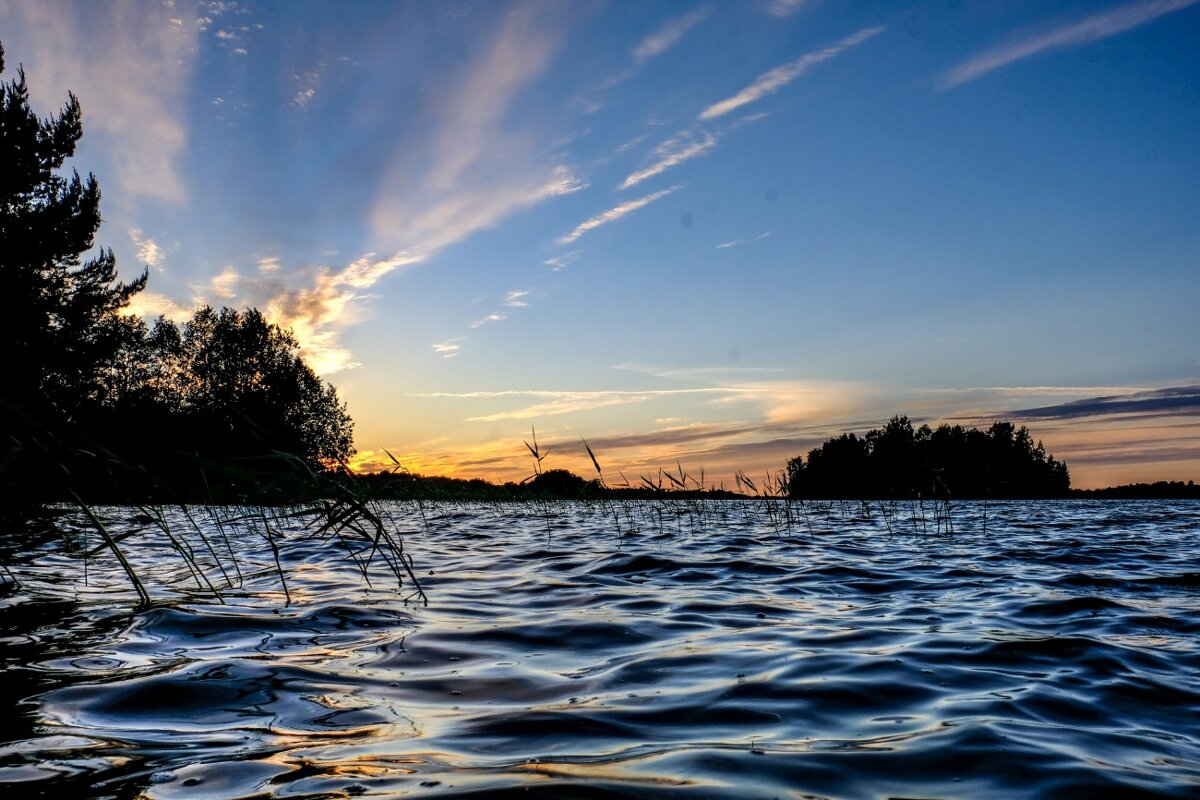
(87, 387)
(58, 317)
(898, 461)
(229, 385)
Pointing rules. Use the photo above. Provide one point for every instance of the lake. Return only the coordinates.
(730, 649)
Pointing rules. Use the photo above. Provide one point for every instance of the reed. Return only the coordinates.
(329, 506)
(538, 456)
(344, 510)
(606, 503)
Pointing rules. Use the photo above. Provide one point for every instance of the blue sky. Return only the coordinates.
(708, 232)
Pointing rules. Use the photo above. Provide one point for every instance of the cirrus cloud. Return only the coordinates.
(668, 35)
(775, 79)
(1085, 31)
(130, 65)
(614, 214)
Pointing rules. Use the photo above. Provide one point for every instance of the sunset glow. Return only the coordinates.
(711, 234)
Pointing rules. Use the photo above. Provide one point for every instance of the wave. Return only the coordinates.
(1049, 655)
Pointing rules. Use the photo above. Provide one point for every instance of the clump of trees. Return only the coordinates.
(95, 400)
(903, 462)
(1159, 490)
(226, 385)
(556, 484)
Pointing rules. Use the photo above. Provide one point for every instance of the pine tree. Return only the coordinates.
(101, 400)
(58, 312)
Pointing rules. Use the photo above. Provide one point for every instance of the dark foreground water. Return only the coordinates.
(715, 653)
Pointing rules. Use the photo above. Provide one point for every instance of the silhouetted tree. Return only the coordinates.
(899, 461)
(243, 386)
(896, 457)
(227, 386)
(558, 483)
(837, 469)
(93, 396)
(58, 319)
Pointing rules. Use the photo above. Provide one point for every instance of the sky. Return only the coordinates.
(700, 233)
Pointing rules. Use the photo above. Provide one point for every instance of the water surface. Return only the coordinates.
(644, 650)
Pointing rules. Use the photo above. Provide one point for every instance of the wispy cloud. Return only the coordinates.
(614, 214)
(307, 83)
(514, 299)
(632, 143)
(717, 374)
(1039, 391)
(150, 305)
(224, 284)
(552, 408)
(1106, 437)
(651, 46)
(778, 403)
(1085, 31)
(553, 403)
(737, 242)
(461, 213)
(788, 402)
(683, 147)
(1121, 449)
(567, 394)
(317, 313)
(148, 251)
(777, 419)
(777, 400)
(493, 317)
(773, 80)
(699, 139)
(367, 271)
(476, 170)
(673, 435)
(558, 263)
(668, 35)
(476, 165)
(749, 119)
(449, 348)
(1176, 400)
(752, 441)
(785, 8)
(130, 65)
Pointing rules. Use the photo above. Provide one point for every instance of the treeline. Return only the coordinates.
(899, 461)
(96, 402)
(1159, 490)
(558, 484)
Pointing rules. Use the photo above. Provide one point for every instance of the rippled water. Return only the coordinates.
(716, 652)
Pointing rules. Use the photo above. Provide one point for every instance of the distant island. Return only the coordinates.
(1159, 490)
(899, 461)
